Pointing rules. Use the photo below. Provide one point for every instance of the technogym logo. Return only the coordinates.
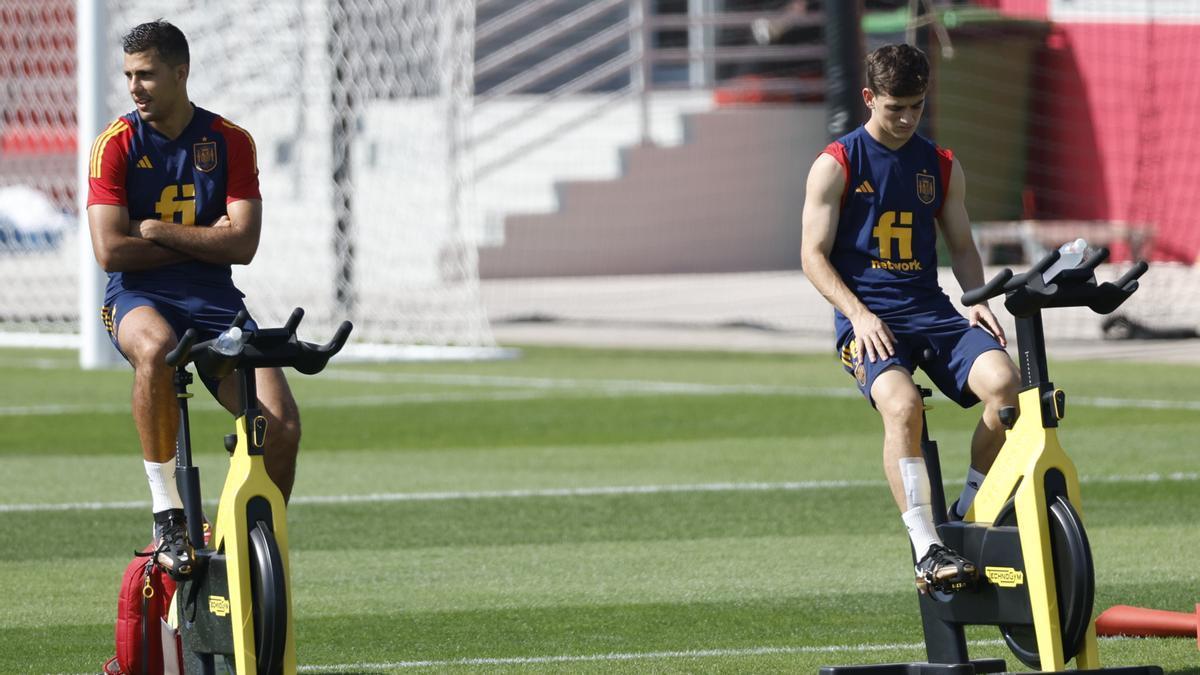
(218, 605)
(1004, 577)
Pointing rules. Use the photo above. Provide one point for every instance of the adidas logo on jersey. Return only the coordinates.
(144, 163)
(865, 187)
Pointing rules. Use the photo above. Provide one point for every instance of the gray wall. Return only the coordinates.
(726, 200)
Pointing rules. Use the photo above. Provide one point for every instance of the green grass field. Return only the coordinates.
(580, 511)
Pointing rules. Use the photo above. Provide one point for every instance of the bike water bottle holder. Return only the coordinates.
(263, 348)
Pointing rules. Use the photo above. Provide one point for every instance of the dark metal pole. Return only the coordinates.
(925, 42)
(187, 476)
(343, 138)
(945, 642)
(1031, 347)
(843, 67)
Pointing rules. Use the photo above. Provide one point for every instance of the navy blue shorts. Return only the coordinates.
(955, 343)
(208, 310)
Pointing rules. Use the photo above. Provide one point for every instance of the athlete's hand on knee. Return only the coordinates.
(874, 337)
(981, 315)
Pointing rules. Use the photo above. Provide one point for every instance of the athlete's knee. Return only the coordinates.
(996, 384)
(148, 351)
(901, 410)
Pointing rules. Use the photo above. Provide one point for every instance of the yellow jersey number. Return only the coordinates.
(177, 200)
(894, 226)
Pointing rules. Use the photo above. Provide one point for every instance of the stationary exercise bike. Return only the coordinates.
(1024, 531)
(236, 607)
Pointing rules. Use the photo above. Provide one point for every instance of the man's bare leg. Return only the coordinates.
(900, 407)
(995, 381)
(145, 338)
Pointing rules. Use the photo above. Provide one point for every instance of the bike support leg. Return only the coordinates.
(944, 642)
(187, 476)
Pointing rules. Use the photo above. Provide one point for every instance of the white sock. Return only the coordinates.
(970, 489)
(921, 532)
(164, 493)
(919, 516)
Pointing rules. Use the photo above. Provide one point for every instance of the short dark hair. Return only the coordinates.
(161, 36)
(897, 70)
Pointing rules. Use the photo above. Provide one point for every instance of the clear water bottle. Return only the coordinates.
(1070, 255)
(229, 343)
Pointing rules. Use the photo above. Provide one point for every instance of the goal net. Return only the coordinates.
(358, 109)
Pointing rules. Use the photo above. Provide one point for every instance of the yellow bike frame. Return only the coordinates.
(1030, 450)
(247, 480)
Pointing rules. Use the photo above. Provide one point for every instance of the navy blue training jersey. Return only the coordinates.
(885, 248)
(186, 180)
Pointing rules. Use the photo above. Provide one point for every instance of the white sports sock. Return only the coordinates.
(921, 532)
(970, 489)
(164, 493)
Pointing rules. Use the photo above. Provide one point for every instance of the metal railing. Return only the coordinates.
(608, 47)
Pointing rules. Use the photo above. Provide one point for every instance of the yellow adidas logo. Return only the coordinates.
(865, 187)
(144, 163)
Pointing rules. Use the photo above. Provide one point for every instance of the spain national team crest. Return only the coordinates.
(926, 188)
(204, 155)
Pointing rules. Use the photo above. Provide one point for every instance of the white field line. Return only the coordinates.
(697, 388)
(530, 388)
(339, 402)
(636, 656)
(629, 656)
(39, 363)
(384, 497)
(557, 383)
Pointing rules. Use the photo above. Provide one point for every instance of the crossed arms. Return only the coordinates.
(122, 245)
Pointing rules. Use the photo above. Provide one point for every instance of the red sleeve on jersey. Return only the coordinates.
(242, 182)
(946, 166)
(838, 152)
(107, 165)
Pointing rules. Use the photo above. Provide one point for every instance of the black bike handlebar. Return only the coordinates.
(989, 290)
(1132, 276)
(175, 357)
(294, 319)
(1028, 292)
(261, 348)
(1034, 274)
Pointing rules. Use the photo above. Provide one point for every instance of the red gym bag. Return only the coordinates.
(143, 635)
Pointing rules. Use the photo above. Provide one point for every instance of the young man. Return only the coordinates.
(873, 200)
(173, 202)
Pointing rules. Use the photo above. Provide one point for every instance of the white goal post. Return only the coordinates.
(359, 110)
